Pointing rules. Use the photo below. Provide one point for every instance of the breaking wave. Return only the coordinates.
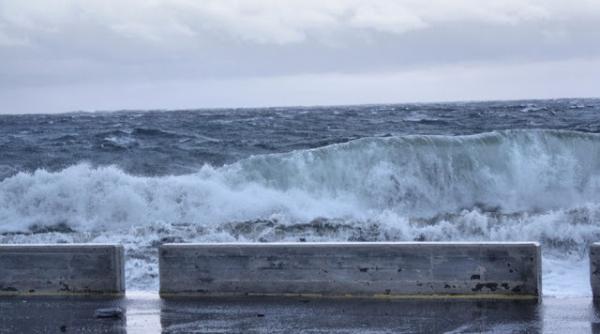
(509, 185)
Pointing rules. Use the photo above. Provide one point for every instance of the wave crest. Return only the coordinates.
(416, 177)
(511, 185)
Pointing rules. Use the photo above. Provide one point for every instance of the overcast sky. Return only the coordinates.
(67, 55)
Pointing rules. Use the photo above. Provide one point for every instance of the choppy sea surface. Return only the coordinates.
(516, 170)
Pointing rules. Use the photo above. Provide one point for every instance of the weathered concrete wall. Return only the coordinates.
(486, 270)
(595, 269)
(61, 269)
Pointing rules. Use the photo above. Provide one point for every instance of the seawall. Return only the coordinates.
(365, 269)
(63, 269)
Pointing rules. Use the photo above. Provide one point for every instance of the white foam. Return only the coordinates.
(504, 186)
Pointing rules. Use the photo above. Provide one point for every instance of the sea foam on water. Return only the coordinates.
(541, 185)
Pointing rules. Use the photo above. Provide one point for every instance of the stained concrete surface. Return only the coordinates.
(148, 314)
(61, 269)
(595, 269)
(499, 269)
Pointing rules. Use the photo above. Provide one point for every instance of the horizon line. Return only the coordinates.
(304, 106)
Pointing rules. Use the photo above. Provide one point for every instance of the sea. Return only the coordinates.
(471, 171)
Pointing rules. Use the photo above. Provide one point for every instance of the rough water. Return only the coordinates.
(519, 170)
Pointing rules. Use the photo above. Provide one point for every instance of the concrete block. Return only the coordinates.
(595, 269)
(62, 269)
(369, 269)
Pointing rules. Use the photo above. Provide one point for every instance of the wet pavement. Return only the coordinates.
(145, 313)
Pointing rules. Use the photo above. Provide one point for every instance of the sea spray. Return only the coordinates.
(539, 185)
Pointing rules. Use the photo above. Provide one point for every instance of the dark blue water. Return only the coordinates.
(178, 142)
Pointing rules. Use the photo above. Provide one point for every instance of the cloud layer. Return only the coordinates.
(46, 46)
(269, 21)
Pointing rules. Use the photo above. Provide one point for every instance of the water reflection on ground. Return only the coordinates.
(148, 314)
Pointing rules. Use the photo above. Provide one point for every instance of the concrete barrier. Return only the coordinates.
(595, 269)
(62, 269)
(382, 269)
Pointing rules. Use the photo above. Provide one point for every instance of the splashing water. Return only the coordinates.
(541, 185)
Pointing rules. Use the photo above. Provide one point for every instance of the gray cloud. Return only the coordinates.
(216, 50)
